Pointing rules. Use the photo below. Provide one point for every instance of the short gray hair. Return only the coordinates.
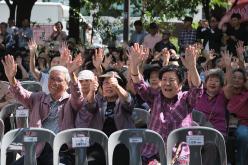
(61, 69)
(217, 72)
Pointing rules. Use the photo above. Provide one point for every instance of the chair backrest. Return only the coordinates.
(1, 129)
(80, 139)
(133, 139)
(200, 118)
(28, 137)
(9, 109)
(32, 86)
(140, 117)
(196, 137)
(1, 133)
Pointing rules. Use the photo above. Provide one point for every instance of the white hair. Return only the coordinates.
(61, 69)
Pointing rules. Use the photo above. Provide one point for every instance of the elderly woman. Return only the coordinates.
(109, 111)
(238, 105)
(213, 101)
(55, 111)
(169, 106)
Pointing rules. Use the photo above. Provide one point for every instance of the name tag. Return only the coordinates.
(135, 140)
(30, 139)
(195, 140)
(22, 113)
(80, 142)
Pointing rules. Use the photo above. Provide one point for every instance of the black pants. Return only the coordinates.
(96, 156)
(46, 157)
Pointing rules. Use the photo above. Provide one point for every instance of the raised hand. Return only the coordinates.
(211, 55)
(65, 54)
(189, 61)
(240, 49)
(18, 61)
(136, 55)
(227, 58)
(97, 59)
(166, 55)
(10, 67)
(32, 46)
(146, 53)
(72, 66)
(107, 61)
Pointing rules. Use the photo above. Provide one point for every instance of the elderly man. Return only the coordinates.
(55, 111)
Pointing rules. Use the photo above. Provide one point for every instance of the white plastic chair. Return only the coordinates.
(140, 117)
(22, 135)
(200, 118)
(32, 86)
(133, 139)
(9, 109)
(1, 129)
(197, 138)
(80, 139)
(1, 133)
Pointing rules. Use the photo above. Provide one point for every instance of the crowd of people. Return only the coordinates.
(99, 89)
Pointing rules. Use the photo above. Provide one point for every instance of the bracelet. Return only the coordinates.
(134, 74)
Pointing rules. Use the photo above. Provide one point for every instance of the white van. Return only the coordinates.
(42, 12)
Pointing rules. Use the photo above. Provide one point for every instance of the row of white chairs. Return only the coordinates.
(133, 139)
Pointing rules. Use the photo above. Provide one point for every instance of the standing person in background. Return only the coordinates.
(4, 38)
(211, 34)
(58, 34)
(236, 33)
(153, 37)
(164, 43)
(187, 36)
(13, 32)
(25, 34)
(139, 33)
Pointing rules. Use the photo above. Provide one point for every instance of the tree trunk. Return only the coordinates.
(74, 19)
(206, 8)
(24, 9)
(12, 9)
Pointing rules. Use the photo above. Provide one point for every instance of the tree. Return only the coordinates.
(20, 9)
(74, 16)
(180, 8)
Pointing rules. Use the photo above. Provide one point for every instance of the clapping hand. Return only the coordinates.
(94, 85)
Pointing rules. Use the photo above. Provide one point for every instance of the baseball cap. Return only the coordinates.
(86, 75)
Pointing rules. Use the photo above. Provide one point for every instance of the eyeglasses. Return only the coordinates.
(59, 80)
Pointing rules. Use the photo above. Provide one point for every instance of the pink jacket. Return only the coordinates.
(39, 105)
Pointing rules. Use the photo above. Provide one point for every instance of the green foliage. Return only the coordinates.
(220, 3)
